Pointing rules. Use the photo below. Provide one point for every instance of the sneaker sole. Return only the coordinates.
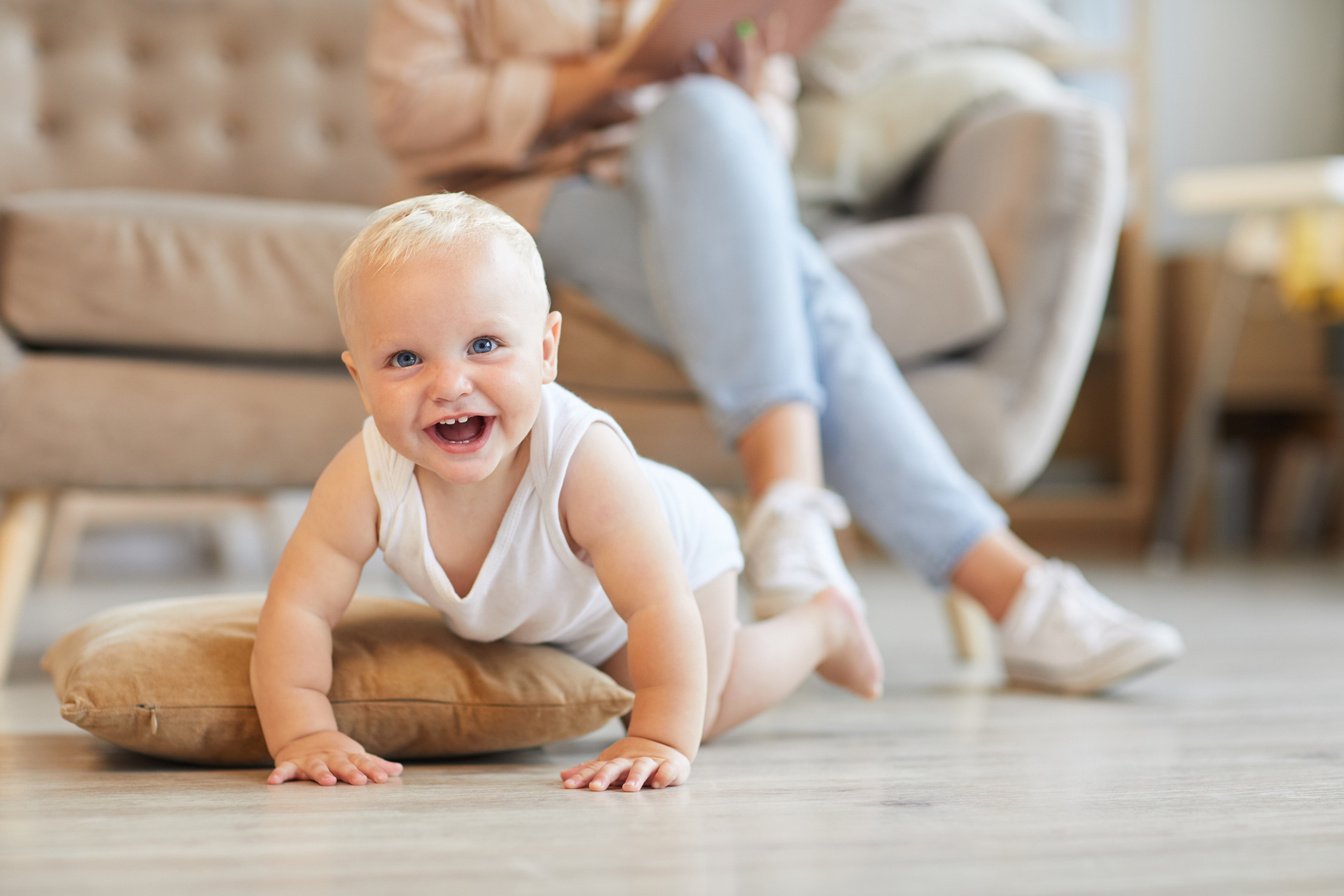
(1123, 665)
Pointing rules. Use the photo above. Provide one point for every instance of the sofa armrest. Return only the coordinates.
(1044, 185)
(173, 272)
(927, 282)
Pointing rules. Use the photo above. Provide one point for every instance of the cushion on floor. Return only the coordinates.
(170, 679)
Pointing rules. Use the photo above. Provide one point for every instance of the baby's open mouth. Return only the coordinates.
(461, 431)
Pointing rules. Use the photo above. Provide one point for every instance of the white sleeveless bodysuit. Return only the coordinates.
(532, 588)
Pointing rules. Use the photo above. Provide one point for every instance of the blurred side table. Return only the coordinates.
(1289, 225)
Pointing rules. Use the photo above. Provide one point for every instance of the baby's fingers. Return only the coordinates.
(597, 774)
(581, 774)
(346, 770)
(669, 774)
(575, 769)
(611, 772)
(378, 769)
(285, 771)
(361, 768)
(639, 773)
(310, 769)
(332, 768)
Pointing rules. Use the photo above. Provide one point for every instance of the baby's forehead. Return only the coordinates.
(481, 269)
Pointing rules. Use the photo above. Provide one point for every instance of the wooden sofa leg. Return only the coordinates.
(972, 630)
(23, 525)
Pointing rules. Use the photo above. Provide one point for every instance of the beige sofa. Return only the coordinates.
(177, 178)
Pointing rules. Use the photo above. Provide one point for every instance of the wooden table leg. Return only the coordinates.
(23, 524)
(1197, 439)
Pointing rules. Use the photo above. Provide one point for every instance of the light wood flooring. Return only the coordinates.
(1223, 774)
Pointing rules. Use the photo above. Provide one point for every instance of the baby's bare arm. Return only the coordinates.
(310, 591)
(612, 511)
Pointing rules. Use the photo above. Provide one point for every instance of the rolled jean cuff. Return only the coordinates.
(938, 570)
(735, 413)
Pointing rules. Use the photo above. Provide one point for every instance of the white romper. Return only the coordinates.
(532, 588)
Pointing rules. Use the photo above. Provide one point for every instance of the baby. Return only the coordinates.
(520, 513)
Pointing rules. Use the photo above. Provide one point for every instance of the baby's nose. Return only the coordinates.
(451, 381)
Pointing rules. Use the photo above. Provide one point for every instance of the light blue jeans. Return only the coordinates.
(700, 252)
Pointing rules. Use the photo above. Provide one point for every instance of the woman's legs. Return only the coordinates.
(695, 255)
(884, 455)
(993, 570)
(701, 253)
(882, 452)
(782, 444)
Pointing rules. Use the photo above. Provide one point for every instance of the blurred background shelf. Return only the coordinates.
(1266, 85)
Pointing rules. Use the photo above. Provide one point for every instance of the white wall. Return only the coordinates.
(1237, 81)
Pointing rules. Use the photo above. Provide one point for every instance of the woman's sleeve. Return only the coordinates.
(431, 96)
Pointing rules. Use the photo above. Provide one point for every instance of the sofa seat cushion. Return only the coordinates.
(169, 678)
(597, 352)
(173, 272)
(73, 420)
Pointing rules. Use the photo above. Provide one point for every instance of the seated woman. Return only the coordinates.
(682, 224)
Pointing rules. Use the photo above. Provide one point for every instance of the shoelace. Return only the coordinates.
(789, 499)
(1084, 611)
(1068, 594)
(797, 518)
(1082, 601)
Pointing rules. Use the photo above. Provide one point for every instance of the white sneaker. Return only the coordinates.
(1061, 634)
(790, 549)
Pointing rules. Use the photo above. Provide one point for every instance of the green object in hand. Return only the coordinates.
(745, 28)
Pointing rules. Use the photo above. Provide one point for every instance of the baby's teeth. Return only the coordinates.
(463, 419)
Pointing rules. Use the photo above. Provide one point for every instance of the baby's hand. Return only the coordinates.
(328, 757)
(635, 761)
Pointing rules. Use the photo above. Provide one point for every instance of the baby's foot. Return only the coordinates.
(854, 662)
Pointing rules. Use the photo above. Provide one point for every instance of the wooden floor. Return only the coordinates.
(1224, 774)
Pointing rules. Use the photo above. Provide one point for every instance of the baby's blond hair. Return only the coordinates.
(406, 229)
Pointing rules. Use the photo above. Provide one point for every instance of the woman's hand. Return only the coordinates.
(576, 85)
(631, 762)
(329, 757)
(593, 89)
(741, 59)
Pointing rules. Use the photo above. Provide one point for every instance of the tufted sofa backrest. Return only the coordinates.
(250, 97)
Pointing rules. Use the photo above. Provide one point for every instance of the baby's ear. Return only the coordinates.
(349, 362)
(550, 347)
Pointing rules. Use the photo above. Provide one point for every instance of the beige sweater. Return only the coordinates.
(460, 90)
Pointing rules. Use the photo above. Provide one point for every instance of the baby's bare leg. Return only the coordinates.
(718, 613)
(753, 667)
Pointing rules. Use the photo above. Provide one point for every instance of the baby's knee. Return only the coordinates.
(711, 728)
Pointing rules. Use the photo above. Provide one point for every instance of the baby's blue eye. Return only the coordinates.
(483, 345)
(405, 359)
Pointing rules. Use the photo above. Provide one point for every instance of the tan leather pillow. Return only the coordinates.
(169, 678)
